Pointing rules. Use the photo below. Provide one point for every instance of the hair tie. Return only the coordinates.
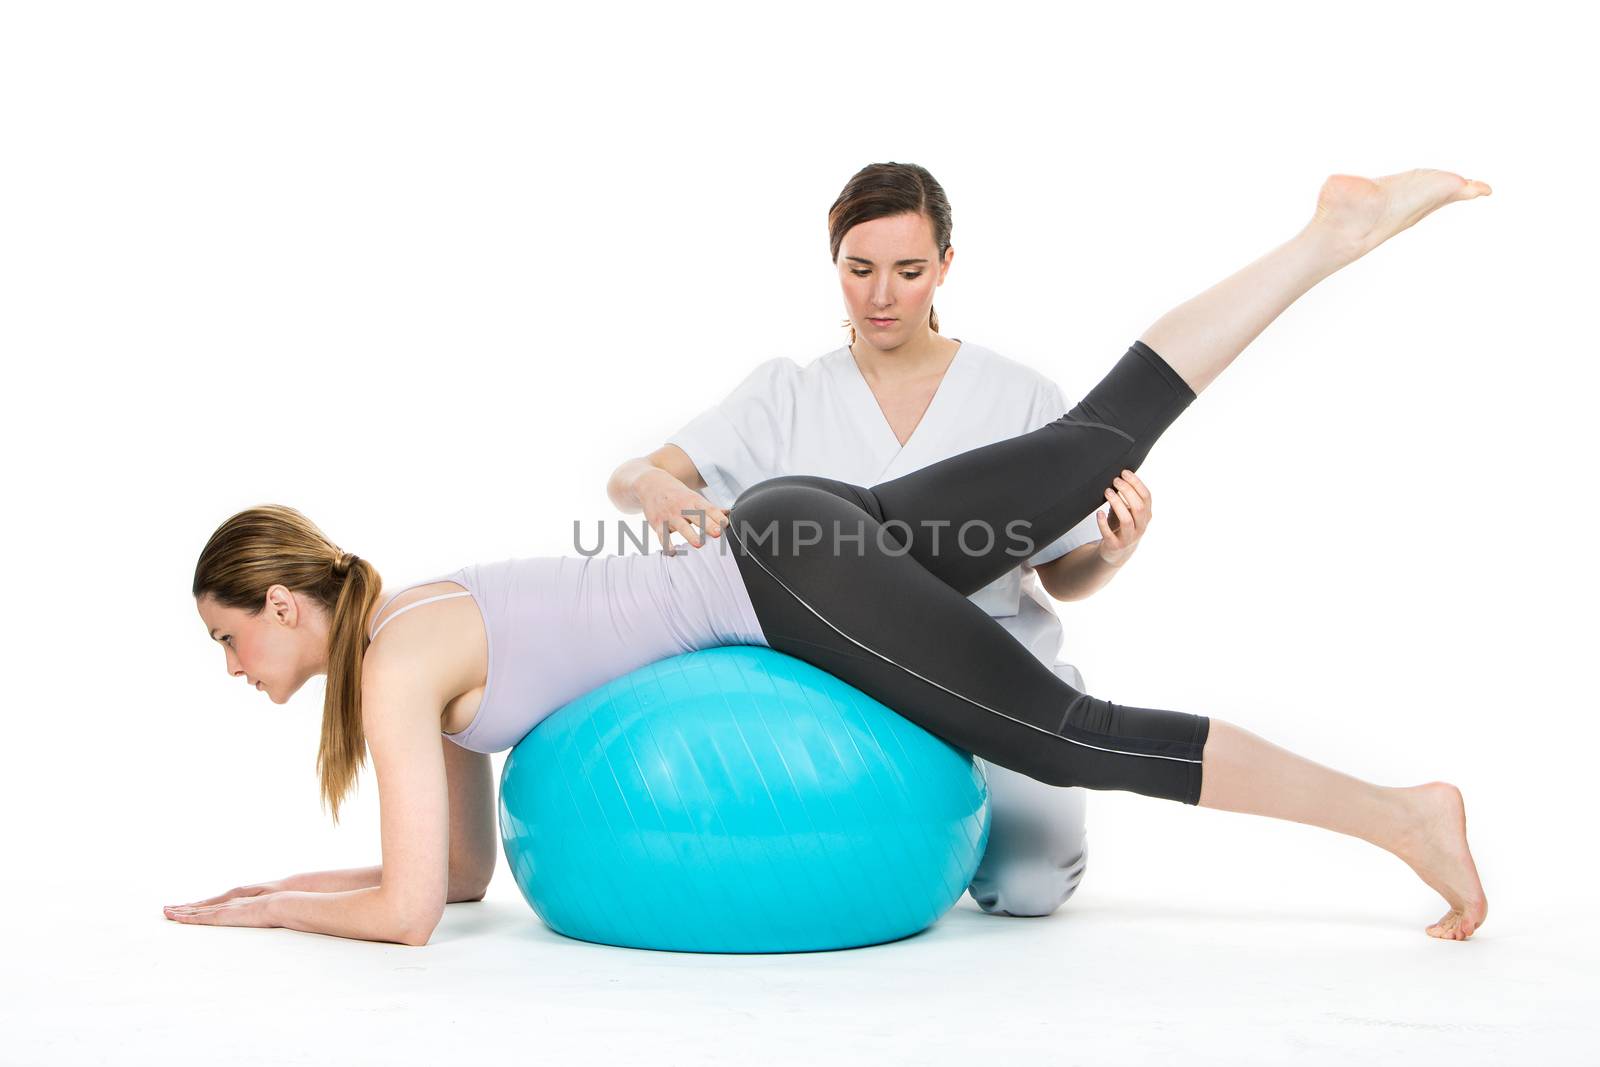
(341, 566)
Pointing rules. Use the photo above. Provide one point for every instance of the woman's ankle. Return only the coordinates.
(1402, 828)
(1327, 247)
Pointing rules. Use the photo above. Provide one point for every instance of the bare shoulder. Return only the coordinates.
(440, 645)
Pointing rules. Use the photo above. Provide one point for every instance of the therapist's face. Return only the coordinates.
(889, 269)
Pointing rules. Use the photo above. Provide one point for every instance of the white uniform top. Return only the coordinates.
(823, 419)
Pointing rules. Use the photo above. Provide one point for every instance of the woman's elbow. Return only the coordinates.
(469, 880)
(413, 917)
(415, 927)
(465, 892)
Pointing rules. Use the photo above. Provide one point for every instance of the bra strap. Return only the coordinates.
(415, 604)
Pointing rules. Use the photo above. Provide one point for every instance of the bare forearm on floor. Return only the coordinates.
(462, 888)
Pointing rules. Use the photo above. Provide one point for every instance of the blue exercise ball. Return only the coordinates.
(739, 800)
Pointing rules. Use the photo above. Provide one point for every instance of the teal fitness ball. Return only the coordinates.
(739, 800)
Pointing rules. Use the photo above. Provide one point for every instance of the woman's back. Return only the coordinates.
(556, 627)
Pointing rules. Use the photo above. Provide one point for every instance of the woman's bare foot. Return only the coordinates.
(1362, 213)
(1435, 846)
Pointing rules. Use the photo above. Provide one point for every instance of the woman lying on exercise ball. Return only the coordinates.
(870, 584)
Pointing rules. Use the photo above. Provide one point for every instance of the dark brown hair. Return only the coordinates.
(275, 545)
(880, 190)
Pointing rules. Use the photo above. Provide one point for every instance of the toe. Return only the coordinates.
(1449, 926)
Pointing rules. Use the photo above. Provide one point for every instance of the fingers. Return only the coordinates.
(694, 523)
(239, 911)
(1125, 523)
(682, 526)
(690, 518)
(1138, 485)
(1108, 533)
(241, 891)
(1120, 506)
(1135, 497)
(709, 517)
(663, 532)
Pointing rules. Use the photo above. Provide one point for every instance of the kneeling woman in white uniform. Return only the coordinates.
(899, 397)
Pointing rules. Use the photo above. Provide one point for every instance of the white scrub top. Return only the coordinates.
(822, 419)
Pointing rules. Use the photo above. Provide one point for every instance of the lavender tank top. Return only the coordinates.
(559, 626)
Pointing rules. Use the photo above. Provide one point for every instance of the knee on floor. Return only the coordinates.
(1029, 889)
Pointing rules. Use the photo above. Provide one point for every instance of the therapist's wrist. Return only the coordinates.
(1115, 557)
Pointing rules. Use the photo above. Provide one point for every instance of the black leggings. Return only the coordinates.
(871, 585)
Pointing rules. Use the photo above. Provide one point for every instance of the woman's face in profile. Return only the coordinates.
(262, 648)
(889, 268)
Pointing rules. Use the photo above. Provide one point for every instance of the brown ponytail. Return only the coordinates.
(276, 545)
(880, 190)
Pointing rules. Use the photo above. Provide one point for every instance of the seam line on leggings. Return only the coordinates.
(959, 696)
(1124, 434)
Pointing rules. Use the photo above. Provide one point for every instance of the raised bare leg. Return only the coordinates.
(1354, 215)
(1425, 825)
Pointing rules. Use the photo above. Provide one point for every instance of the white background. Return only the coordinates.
(428, 272)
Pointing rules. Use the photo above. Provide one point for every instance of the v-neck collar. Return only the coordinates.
(870, 412)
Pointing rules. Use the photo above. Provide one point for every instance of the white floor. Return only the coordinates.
(1104, 980)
